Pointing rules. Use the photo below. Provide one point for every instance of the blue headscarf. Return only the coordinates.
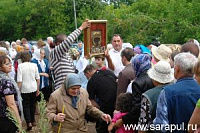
(141, 63)
(72, 79)
(141, 49)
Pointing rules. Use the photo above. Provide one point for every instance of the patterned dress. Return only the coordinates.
(6, 88)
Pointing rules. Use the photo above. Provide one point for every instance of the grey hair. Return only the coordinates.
(185, 61)
(50, 38)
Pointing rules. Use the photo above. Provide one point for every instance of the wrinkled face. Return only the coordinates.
(117, 43)
(99, 61)
(74, 90)
(42, 54)
(7, 66)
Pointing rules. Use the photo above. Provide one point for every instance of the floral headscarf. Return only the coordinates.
(141, 63)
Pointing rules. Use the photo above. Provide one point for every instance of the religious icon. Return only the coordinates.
(95, 38)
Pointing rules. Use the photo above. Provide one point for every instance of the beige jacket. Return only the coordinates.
(74, 121)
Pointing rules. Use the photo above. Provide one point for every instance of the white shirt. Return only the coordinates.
(27, 73)
(116, 60)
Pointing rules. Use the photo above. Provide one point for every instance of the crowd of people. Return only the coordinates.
(151, 88)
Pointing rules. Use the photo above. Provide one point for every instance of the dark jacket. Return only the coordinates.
(139, 86)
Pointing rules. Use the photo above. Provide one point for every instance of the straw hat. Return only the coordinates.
(161, 72)
(162, 52)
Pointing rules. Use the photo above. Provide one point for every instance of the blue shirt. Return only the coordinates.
(176, 104)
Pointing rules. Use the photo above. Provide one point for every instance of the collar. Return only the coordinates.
(185, 78)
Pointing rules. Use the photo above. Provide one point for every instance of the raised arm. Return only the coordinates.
(109, 60)
(61, 49)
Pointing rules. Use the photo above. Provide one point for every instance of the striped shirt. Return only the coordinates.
(61, 61)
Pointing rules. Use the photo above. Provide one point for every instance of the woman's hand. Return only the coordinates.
(44, 74)
(59, 117)
(106, 117)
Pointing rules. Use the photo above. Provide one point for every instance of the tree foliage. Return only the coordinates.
(36, 19)
(169, 21)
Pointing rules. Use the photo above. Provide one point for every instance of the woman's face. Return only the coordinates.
(74, 90)
(42, 54)
(14, 46)
(7, 66)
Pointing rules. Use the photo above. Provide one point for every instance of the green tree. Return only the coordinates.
(170, 21)
(10, 20)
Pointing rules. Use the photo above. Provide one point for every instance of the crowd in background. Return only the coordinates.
(149, 85)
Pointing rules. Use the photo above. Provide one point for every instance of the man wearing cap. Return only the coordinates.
(160, 75)
(176, 102)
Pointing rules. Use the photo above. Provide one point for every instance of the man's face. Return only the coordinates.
(26, 47)
(117, 43)
(123, 60)
(88, 75)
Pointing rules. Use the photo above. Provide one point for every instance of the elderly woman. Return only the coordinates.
(9, 96)
(69, 104)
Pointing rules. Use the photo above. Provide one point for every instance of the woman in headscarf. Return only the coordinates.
(69, 104)
(141, 64)
(43, 70)
(12, 50)
(9, 96)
